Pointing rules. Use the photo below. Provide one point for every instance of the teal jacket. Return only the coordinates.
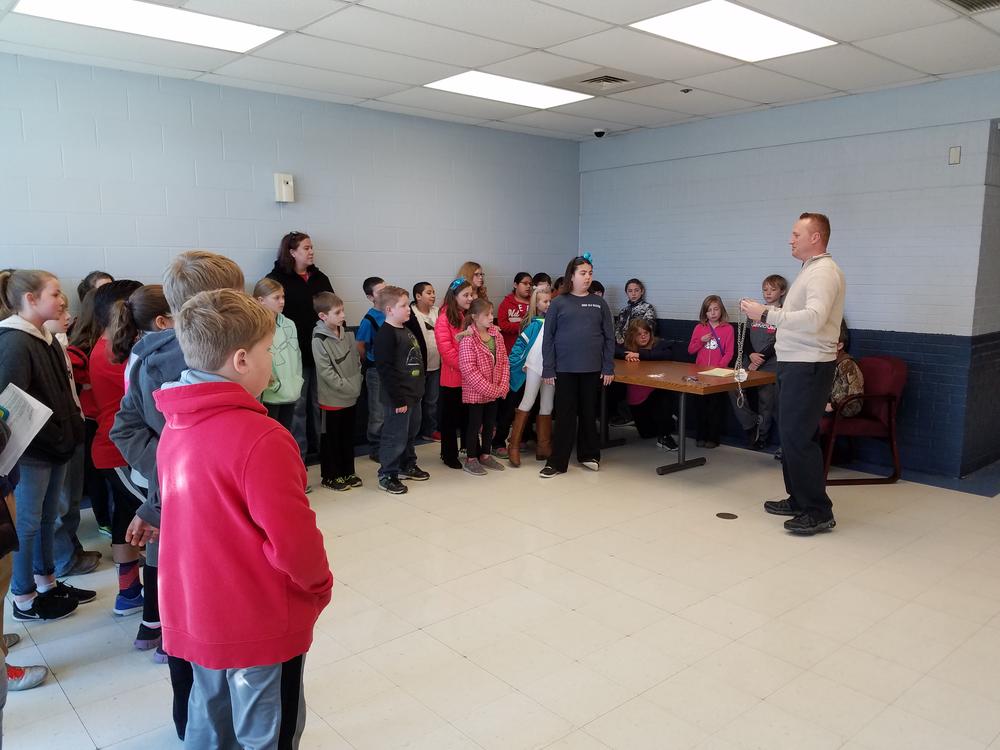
(519, 352)
(286, 365)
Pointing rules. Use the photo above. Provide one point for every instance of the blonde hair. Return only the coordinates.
(15, 284)
(478, 307)
(199, 271)
(703, 315)
(266, 287)
(214, 324)
(533, 305)
(632, 334)
(467, 271)
(389, 296)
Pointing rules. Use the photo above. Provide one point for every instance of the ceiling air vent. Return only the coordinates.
(604, 81)
(976, 6)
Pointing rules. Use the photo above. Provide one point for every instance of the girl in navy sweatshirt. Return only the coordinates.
(578, 358)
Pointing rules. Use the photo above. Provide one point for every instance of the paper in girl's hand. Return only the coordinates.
(25, 416)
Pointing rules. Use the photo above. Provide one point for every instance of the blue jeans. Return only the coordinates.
(305, 427)
(66, 544)
(429, 404)
(399, 432)
(374, 385)
(37, 502)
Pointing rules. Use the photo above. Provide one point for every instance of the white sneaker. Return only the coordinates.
(592, 465)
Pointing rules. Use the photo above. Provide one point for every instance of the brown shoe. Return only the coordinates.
(516, 432)
(543, 427)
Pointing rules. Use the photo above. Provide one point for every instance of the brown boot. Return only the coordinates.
(543, 428)
(516, 432)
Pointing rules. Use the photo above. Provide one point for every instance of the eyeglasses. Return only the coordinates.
(478, 273)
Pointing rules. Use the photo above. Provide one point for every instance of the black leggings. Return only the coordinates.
(575, 415)
(482, 420)
(453, 417)
(127, 498)
(711, 413)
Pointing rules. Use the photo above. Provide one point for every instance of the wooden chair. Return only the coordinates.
(885, 378)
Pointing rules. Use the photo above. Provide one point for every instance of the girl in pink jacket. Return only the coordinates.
(482, 360)
(447, 332)
(713, 343)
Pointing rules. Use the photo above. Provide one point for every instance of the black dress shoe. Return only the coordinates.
(781, 507)
(805, 525)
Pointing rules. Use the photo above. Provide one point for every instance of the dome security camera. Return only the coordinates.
(600, 133)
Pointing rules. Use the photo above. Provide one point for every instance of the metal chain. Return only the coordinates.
(739, 372)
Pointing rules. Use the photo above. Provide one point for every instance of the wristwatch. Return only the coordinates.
(763, 316)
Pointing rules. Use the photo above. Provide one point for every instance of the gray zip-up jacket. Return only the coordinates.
(338, 367)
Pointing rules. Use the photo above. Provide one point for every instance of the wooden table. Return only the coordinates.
(682, 378)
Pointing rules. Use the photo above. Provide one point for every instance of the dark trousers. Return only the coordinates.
(575, 413)
(711, 411)
(94, 484)
(283, 413)
(505, 416)
(482, 420)
(127, 499)
(803, 391)
(181, 680)
(399, 433)
(654, 416)
(336, 444)
(453, 418)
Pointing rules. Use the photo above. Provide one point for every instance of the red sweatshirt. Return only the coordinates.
(509, 318)
(718, 351)
(243, 570)
(107, 384)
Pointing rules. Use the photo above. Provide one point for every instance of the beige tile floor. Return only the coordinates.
(594, 611)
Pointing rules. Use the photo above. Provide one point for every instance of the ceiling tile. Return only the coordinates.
(445, 101)
(516, 21)
(301, 76)
(567, 123)
(350, 58)
(276, 15)
(850, 20)
(277, 88)
(990, 19)
(669, 96)
(643, 53)
(622, 11)
(947, 48)
(617, 110)
(539, 67)
(842, 67)
(757, 84)
(402, 109)
(528, 130)
(113, 45)
(102, 62)
(370, 28)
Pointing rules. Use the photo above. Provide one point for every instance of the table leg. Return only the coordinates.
(606, 441)
(682, 462)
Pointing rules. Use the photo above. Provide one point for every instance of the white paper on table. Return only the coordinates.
(26, 417)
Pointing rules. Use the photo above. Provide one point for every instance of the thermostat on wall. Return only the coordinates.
(284, 188)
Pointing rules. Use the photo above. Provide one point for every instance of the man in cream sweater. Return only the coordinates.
(808, 327)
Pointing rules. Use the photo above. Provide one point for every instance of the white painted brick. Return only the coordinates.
(229, 175)
(132, 263)
(101, 229)
(102, 97)
(29, 228)
(106, 164)
(167, 231)
(196, 142)
(72, 132)
(14, 194)
(43, 160)
(189, 201)
(69, 261)
(63, 195)
(132, 198)
(16, 257)
(11, 131)
(158, 106)
(237, 146)
(155, 168)
(226, 233)
(125, 135)
(251, 205)
(31, 93)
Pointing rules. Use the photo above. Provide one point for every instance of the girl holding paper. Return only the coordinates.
(713, 344)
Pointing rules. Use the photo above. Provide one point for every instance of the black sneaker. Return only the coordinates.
(548, 472)
(778, 456)
(781, 507)
(337, 484)
(46, 608)
(392, 485)
(452, 463)
(666, 442)
(354, 480)
(373, 457)
(805, 525)
(65, 591)
(415, 473)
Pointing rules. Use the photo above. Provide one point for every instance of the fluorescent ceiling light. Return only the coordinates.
(732, 30)
(157, 21)
(510, 90)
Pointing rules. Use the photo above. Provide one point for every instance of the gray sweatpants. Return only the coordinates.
(255, 708)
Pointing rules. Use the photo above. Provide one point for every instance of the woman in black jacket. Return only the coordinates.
(302, 281)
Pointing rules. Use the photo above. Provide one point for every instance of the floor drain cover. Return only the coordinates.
(726, 516)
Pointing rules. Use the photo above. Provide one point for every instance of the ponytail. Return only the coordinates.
(15, 284)
(135, 316)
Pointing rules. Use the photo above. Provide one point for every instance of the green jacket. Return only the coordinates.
(286, 365)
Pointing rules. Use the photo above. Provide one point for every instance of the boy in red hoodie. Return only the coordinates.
(243, 571)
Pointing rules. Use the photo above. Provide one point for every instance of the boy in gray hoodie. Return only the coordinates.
(339, 380)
